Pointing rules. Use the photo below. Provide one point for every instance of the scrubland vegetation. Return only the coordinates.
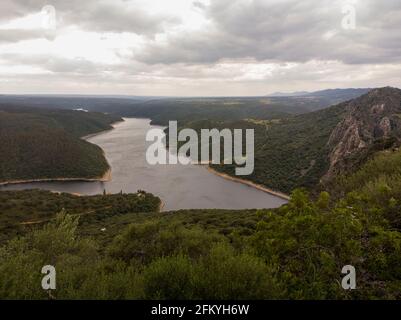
(294, 252)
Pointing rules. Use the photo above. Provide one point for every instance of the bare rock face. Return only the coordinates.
(385, 126)
(372, 118)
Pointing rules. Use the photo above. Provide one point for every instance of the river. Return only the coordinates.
(179, 186)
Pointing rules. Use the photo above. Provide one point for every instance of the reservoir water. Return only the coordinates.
(179, 186)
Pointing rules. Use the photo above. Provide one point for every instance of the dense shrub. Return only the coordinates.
(294, 252)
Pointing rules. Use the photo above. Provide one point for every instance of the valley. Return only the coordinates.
(200, 157)
(179, 186)
(340, 165)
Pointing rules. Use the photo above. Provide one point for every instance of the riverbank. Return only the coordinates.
(179, 187)
(103, 131)
(249, 183)
(105, 178)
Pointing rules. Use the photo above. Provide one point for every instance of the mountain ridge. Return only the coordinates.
(373, 119)
(307, 150)
(324, 92)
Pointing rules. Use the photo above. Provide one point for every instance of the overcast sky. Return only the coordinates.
(197, 47)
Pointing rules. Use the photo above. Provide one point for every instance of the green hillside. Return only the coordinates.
(20, 211)
(121, 246)
(46, 144)
(307, 149)
(294, 252)
(290, 152)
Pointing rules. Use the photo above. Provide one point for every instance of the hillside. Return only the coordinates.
(121, 246)
(372, 122)
(21, 211)
(289, 152)
(45, 144)
(299, 151)
(333, 96)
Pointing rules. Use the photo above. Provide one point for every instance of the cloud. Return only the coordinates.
(54, 64)
(198, 47)
(288, 30)
(15, 35)
(199, 5)
(113, 16)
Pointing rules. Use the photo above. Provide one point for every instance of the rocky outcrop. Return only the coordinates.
(370, 120)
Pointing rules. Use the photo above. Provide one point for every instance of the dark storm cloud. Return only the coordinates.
(288, 30)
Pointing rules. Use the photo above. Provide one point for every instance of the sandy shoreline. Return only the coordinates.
(249, 183)
(106, 177)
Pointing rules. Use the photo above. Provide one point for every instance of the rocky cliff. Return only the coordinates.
(371, 122)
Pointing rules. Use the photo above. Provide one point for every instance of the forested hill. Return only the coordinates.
(45, 144)
(77, 123)
(299, 151)
(290, 152)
